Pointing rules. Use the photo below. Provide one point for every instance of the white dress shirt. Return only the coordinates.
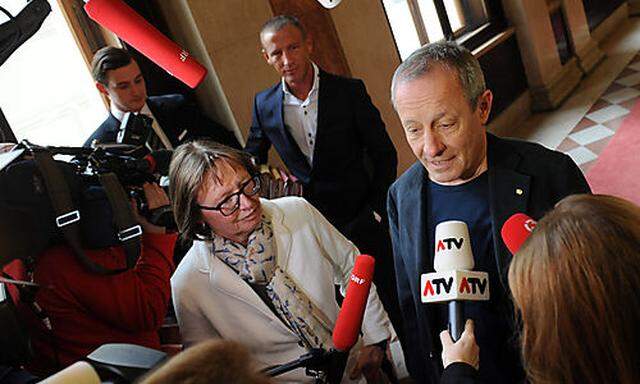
(301, 116)
(119, 114)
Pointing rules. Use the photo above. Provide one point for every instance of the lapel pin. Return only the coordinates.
(519, 191)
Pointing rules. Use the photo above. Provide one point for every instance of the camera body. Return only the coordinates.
(27, 219)
(132, 171)
(29, 223)
(135, 129)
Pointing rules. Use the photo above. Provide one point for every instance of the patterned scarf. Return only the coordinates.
(256, 264)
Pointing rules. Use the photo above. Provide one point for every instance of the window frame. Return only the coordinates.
(469, 38)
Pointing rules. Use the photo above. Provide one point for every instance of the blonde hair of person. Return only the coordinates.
(213, 361)
(575, 284)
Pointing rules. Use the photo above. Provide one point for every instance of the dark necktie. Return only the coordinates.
(153, 141)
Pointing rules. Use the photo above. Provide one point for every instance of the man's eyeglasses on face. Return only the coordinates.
(232, 203)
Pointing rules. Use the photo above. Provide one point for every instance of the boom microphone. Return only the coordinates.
(454, 281)
(516, 230)
(120, 19)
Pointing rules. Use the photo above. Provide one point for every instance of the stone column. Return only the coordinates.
(586, 48)
(550, 82)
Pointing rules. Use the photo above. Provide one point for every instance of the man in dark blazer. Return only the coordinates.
(463, 173)
(172, 119)
(332, 138)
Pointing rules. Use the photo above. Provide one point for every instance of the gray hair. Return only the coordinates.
(190, 165)
(278, 22)
(448, 55)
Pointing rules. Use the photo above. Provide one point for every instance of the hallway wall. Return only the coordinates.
(223, 34)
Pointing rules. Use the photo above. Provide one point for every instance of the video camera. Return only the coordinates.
(131, 169)
(29, 218)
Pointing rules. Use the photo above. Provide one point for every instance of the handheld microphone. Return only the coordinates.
(346, 330)
(349, 321)
(122, 20)
(516, 230)
(454, 281)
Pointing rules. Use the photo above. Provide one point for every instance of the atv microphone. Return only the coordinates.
(454, 281)
(516, 230)
(122, 20)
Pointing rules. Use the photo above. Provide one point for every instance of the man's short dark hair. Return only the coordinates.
(278, 22)
(106, 59)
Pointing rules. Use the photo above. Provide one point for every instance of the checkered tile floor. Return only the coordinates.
(589, 137)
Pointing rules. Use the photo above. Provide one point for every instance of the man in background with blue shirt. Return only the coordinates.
(463, 173)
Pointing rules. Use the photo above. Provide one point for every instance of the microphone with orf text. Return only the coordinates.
(119, 18)
(349, 321)
(346, 330)
(454, 281)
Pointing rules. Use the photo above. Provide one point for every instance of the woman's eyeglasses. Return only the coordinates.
(232, 203)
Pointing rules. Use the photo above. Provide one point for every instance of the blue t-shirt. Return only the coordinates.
(469, 203)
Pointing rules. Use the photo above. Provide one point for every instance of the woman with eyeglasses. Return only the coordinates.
(261, 272)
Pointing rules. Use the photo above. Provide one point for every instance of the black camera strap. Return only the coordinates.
(67, 215)
(18, 29)
(129, 230)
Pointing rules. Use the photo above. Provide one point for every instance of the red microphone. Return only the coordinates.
(516, 230)
(349, 322)
(120, 19)
(345, 332)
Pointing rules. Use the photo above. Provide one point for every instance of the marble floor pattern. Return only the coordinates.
(592, 133)
(585, 123)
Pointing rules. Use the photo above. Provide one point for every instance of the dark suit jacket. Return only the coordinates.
(543, 176)
(350, 132)
(175, 115)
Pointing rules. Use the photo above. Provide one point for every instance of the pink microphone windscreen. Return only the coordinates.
(122, 20)
(349, 322)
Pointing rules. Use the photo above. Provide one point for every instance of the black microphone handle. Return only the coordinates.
(315, 358)
(456, 319)
(332, 362)
(337, 365)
